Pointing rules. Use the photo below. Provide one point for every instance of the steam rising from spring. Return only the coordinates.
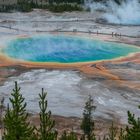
(128, 12)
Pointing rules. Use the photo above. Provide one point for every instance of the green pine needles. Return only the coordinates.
(133, 132)
(70, 136)
(87, 123)
(15, 121)
(46, 131)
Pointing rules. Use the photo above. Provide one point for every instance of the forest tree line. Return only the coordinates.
(51, 5)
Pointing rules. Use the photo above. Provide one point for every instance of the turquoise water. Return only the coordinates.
(65, 49)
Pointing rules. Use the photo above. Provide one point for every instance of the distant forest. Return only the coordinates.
(82, 1)
(67, 1)
(51, 5)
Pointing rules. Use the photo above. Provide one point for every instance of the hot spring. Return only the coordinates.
(65, 49)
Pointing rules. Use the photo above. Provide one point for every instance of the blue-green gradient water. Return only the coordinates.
(65, 49)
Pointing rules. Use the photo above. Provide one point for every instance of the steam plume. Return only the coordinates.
(128, 12)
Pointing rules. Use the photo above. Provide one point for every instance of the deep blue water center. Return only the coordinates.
(65, 49)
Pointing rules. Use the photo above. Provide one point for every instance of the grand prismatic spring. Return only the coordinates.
(65, 49)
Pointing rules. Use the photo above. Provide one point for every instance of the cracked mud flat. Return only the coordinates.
(115, 85)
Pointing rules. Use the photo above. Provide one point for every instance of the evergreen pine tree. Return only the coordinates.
(112, 133)
(15, 120)
(133, 132)
(1, 117)
(87, 124)
(46, 123)
(122, 134)
(71, 136)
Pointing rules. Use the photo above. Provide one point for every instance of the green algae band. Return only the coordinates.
(65, 49)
